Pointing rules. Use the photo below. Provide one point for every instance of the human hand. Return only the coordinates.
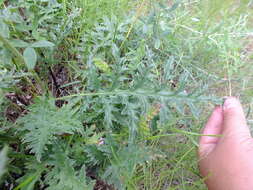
(226, 162)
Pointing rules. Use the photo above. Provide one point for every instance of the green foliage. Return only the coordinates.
(45, 123)
(123, 165)
(64, 177)
(30, 58)
(8, 78)
(127, 83)
(29, 180)
(3, 161)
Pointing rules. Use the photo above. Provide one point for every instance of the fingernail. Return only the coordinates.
(230, 102)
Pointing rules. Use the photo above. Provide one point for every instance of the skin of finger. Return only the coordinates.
(213, 127)
(234, 123)
(230, 164)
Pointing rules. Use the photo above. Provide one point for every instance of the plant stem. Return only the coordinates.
(135, 19)
(146, 94)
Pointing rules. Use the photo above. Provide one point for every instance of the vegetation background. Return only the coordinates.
(112, 94)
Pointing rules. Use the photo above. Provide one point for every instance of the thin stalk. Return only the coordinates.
(177, 165)
(229, 79)
(137, 15)
(179, 132)
(129, 93)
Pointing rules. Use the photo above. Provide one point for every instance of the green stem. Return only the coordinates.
(134, 93)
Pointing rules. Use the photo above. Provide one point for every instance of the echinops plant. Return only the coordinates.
(110, 94)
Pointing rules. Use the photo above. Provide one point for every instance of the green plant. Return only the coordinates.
(112, 92)
(44, 123)
(3, 156)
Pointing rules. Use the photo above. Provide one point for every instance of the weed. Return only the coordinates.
(111, 93)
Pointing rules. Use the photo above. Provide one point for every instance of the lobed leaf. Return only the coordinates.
(45, 123)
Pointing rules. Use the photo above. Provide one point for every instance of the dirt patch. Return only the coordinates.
(18, 102)
(59, 76)
(100, 184)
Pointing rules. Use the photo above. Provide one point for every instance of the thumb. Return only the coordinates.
(213, 127)
(234, 121)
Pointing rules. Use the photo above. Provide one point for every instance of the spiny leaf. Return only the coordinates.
(123, 164)
(45, 122)
(33, 174)
(64, 177)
